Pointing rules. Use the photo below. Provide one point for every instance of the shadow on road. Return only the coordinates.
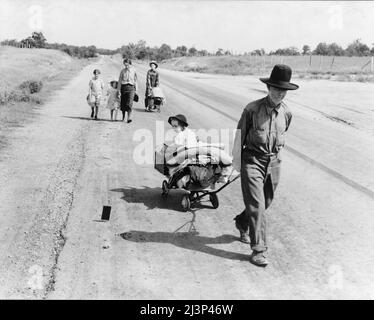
(188, 240)
(84, 118)
(151, 198)
(142, 110)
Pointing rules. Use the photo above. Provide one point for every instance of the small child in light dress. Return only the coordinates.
(95, 93)
(113, 100)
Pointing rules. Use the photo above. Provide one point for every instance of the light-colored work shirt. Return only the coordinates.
(262, 128)
(128, 76)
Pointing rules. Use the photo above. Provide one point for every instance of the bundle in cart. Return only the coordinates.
(156, 100)
(196, 169)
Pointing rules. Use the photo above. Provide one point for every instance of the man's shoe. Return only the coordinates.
(258, 259)
(129, 121)
(244, 237)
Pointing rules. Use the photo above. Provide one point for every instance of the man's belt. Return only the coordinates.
(262, 155)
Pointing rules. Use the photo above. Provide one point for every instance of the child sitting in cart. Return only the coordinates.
(193, 165)
(183, 137)
(193, 160)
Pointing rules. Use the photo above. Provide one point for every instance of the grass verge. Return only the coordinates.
(355, 69)
(29, 78)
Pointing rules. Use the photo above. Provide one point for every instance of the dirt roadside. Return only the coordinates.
(38, 174)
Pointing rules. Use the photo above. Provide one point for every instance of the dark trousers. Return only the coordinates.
(259, 179)
(127, 99)
(148, 102)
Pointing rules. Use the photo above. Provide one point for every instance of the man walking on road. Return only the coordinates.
(256, 155)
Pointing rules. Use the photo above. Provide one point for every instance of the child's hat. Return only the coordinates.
(153, 62)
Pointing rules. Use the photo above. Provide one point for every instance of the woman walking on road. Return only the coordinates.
(127, 88)
(152, 81)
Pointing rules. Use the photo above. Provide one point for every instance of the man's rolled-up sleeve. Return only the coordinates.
(240, 135)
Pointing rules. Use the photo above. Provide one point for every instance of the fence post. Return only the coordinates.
(332, 63)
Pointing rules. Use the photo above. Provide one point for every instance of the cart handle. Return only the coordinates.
(226, 184)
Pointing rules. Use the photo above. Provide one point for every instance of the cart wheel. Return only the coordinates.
(165, 189)
(214, 200)
(186, 203)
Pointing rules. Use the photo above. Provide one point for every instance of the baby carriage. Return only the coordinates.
(156, 100)
(196, 170)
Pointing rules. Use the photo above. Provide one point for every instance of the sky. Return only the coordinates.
(239, 26)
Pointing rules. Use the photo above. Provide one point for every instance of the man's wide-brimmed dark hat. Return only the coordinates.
(280, 78)
(153, 62)
(180, 117)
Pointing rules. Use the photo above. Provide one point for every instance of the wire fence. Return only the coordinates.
(313, 63)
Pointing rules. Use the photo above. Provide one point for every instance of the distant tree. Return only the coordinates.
(140, 49)
(192, 51)
(39, 39)
(357, 48)
(142, 54)
(91, 51)
(290, 51)
(10, 42)
(219, 52)
(128, 51)
(203, 53)
(227, 53)
(321, 49)
(181, 51)
(306, 49)
(164, 52)
(258, 52)
(334, 49)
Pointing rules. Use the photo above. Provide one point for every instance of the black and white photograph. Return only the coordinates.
(186, 150)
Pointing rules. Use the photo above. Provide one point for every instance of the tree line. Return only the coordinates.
(142, 51)
(354, 49)
(37, 40)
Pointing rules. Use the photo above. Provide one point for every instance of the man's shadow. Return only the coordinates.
(151, 198)
(188, 240)
(88, 119)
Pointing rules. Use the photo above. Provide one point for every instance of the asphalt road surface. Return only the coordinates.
(61, 169)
